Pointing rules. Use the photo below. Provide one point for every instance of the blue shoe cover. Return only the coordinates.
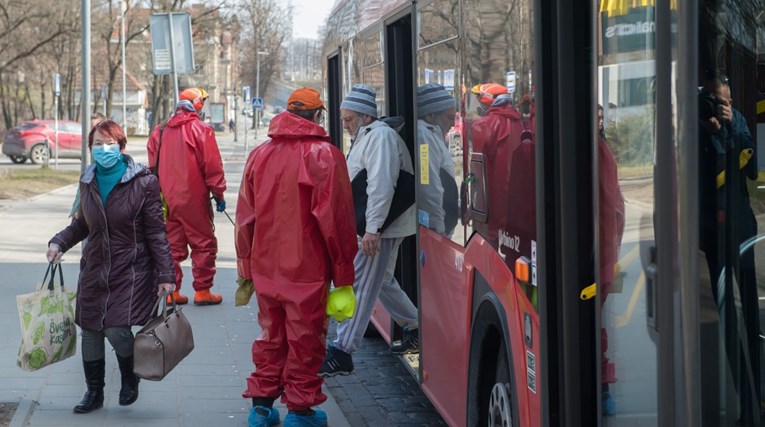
(609, 404)
(257, 420)
(319, 419)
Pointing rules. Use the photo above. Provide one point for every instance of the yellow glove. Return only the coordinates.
(244, 291)
(341, 303)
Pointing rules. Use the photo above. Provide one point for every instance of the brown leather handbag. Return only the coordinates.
(162, 343)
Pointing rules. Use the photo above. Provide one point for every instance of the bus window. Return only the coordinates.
(438, 194)
(731, 199)
(500, 123)
(438, 22)
(623, 153)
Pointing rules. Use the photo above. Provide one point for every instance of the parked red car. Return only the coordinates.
(27, 141)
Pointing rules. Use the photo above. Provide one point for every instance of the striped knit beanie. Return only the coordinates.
(361, 99)
(432, 98)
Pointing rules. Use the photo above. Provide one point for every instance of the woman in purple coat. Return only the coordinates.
(125, 264)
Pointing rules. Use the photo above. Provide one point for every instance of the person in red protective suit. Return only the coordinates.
(295, 232)
(497, 135)
(185, 153)
(610, 231)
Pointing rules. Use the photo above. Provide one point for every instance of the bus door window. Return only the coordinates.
(438, 127)
(623, 150)
(499, 116)
(730, 203)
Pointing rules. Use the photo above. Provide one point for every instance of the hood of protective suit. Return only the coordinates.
(182, 117)
(287, 125)
(505, 111)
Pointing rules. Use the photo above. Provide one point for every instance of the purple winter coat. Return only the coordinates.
(126, 256)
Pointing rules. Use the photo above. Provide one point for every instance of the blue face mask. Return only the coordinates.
(107, 155)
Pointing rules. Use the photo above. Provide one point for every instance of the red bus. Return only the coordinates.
(574, 270)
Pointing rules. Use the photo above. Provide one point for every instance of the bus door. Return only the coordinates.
(730, 199)
(676, 198)
(608, 214)
(400, 95)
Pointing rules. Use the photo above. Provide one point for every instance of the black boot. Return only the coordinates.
(129, 391)
(94, 378)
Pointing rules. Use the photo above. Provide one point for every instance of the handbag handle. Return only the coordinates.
(162, 299)
(52, 268)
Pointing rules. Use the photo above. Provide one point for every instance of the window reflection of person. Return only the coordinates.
(610, 231)
(497, 135)
(724, 132)
(438, 196)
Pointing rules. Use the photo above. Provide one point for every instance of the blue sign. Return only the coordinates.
(510, 78)
(257, 103)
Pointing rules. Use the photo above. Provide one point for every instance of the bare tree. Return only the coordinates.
(24, 33)
(268, 31)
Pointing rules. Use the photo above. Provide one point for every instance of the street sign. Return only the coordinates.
(246, 93)
(257, 103)
(510, 81)
(57, 84)
(164, 45)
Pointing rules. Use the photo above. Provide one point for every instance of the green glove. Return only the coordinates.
(341, 303)
(244, 291)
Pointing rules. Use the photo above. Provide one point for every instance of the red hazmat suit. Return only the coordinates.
(611, 229)
(295, 232)
(496, 135)
(190, 168)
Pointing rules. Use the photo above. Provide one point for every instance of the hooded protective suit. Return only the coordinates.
(295, 232)
(190, 168)
(497, 135)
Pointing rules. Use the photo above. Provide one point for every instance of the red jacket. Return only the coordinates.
(190, 167)
(294, 216)
(611, 212)
(497, 135)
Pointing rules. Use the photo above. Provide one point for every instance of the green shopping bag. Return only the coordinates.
(48, 333)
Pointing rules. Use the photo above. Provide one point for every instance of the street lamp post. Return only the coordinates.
(85, 93)
(257, 94)
(123, 9)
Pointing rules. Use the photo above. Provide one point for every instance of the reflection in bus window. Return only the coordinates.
(497, 135)
(437, 189)
(437, 68)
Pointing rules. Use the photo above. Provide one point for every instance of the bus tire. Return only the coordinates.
(489, 374)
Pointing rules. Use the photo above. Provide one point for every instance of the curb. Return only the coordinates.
(23, 413)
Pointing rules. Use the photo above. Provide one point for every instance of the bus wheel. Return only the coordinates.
(500, 408)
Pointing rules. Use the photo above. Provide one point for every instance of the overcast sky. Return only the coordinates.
(309, 15)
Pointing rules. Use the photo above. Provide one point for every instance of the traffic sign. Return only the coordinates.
(510, 77)
(257, 103)
(246, 93)
(57, 84)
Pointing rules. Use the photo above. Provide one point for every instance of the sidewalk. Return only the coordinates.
(204, 390)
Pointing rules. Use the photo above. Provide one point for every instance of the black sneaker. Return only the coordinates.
(336, 362)
(410, 343)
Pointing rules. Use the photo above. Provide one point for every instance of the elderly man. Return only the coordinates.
(378, 153)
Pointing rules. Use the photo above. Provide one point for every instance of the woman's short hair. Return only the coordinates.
(111, 130)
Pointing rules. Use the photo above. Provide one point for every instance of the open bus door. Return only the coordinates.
(399, 95)
(681, 309)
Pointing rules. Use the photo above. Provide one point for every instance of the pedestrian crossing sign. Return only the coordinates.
(257, 103)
